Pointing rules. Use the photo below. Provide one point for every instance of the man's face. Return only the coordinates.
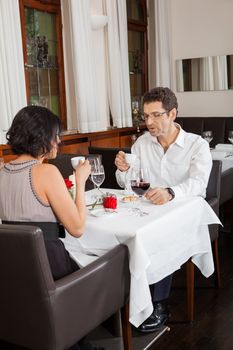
(158, 124)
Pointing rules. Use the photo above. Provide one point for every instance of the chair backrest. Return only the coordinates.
(38, 313)
(63, 163)
(213, 194)
(108, 158)
(26, 286)
(214, 184)
(219, 125)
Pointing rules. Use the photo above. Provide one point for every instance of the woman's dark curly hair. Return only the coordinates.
(161, 94)
(33, 130)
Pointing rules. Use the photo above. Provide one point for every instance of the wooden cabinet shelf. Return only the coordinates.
(75, 142)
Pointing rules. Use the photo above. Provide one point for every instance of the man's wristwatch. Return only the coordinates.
(171, 192)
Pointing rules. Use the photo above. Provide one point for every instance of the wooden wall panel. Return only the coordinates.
(126, 141)
(8, 157)
(106, 142)
(77, 148)
(78, 143)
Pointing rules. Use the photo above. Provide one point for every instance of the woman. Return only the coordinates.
(35, 192)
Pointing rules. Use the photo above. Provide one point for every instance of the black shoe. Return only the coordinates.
(158, 317)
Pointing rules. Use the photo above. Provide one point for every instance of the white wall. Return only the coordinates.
(202, 28)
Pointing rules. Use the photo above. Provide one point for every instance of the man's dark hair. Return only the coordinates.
(161, 94)
(33, 130)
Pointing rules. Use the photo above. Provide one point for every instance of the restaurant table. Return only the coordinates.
(225, 156)
(159, 243)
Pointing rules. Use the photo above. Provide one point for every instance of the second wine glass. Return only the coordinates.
(208, 135)
(140, 181)
(230, 136)
(97, 174)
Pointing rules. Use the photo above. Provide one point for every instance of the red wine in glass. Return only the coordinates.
(139, 187)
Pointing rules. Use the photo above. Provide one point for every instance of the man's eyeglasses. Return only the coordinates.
(153, 115)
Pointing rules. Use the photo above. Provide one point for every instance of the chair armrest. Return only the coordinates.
(226, 186)
(92, 293)
(214, 203)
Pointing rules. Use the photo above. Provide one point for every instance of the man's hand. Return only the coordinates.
(120, 161)
(158, 195)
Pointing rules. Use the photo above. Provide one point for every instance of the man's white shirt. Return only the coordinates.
(185, 166)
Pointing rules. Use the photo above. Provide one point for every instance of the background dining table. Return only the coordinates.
(159, 242)
(223, 152)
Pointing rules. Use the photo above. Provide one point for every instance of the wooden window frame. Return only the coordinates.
(53, 6)
(141, 26)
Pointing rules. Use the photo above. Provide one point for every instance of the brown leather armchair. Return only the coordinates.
(212, 197)
(40, 314)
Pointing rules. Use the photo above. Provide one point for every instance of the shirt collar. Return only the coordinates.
(181, 136)
(179, 140)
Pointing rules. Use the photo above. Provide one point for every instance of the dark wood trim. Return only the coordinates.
(141, 26)
(61, 73)
(52, 6)
(23, 30)
(42, 5)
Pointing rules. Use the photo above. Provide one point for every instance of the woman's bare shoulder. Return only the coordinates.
(46, 170)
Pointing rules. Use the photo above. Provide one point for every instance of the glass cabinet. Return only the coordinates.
(43, 61)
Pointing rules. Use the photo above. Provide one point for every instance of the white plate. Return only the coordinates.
(101, 212)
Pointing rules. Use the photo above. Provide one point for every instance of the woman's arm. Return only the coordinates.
(50, 186)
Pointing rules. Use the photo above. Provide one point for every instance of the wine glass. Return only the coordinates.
(140, 181)
(207, 135)
(230, 136)
(97, 173)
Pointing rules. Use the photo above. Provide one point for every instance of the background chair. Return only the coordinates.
(63, 163)
(212, 197)
(108, 158)
(41, 314)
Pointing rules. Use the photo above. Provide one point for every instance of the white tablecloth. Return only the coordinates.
(158, 243)
(227, 161)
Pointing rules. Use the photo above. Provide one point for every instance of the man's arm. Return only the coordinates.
(199, 172)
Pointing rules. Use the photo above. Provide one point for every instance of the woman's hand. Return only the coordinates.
(120, 161)
(82, 172)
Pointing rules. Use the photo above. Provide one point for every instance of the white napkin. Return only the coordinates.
(224, 147)
(72, 178)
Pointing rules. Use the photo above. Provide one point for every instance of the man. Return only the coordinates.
(179, 165)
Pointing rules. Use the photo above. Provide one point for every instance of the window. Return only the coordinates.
(43, 58)
(138, 58)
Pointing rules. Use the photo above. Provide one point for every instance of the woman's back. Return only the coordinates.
(18, 198)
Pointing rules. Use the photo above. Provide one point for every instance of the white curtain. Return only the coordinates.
(84, 108)
(96, 64)
(12, 80)
(206, 74)
(220, 72)
(118, 63)
(160, 64)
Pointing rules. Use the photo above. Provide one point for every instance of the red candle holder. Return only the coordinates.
(110, 201)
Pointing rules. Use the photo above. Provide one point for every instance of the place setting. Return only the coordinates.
(137, 182)
(106, 202)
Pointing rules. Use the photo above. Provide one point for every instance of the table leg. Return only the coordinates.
(126, 327)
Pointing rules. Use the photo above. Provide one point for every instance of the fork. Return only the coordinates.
(139, 212)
